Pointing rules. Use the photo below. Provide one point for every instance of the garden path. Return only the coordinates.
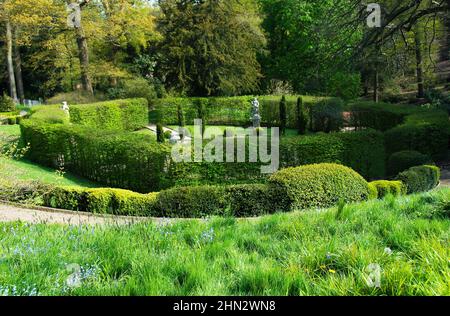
(11, 213)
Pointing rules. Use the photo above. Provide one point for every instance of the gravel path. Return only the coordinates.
(11, 213)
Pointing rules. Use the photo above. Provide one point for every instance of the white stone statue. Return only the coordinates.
(65, 107)
(256, 117)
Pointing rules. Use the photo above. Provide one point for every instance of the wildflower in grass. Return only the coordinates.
(79, 274)
(207, 236)
(373, 279)
(332, 271)
(388, 251)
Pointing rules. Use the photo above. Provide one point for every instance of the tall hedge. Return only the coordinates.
(362, 151)
(405, 127)
(117, 159)
(127, 115)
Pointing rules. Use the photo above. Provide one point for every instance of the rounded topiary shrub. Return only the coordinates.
(7, 104)
(403, 160)
(384, 188)
(319, 185)
(420, 178)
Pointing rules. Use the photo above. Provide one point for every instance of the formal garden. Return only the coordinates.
(234, 148)
(358, 159)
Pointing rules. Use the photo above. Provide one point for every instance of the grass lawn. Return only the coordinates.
(220, 129)
(28, 171)
(308, 253)
(25, 170)
(10, 130)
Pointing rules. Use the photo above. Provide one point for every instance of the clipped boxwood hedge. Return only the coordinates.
(116, 159)
(127, 115)
(420, 178)
(384, 188)
(182, 202)
(320, 185)
(101, 201)
(405, 127)
(362, 151)
(230, 110)
(403, 160)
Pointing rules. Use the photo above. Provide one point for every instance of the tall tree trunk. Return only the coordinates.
(83, 51)
(18, 71)
(9, 60)
(83, 54)
(419, 64)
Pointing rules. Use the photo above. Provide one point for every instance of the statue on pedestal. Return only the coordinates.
(255, 116)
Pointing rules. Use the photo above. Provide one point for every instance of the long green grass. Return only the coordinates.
(328, 252)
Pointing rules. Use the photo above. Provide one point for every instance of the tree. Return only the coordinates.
(210, 47)
(303, 44)
(83, 50)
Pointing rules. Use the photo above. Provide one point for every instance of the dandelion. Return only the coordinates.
(388, 251)
(332, 271)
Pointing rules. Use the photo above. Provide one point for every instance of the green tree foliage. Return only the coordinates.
(302, 41)
(210, 47)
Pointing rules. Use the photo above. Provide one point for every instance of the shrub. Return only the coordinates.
(127, 115)
(402, 160)
(420, 178)
(283, 115)
(326, 116)
(117, 159)
(76, 97)
(180, 114)
(249, 200)
(426, 131)
(7, 104)
(101, 201)
(167, 134)
(68, 198)
(50, 114)
(384, 188)
(379, 116)
(22, 191)
(133, 88)
(160, 133)
(362, 151)
(302, 118)
(320, 185)
(194, 202)
(373, 191)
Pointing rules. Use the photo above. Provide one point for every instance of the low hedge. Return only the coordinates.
(182, 202)
(320, 185)
(420, 178)
(383, 188)
(403, 160)
(127, 115)
(101, 201)
(192, 201)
